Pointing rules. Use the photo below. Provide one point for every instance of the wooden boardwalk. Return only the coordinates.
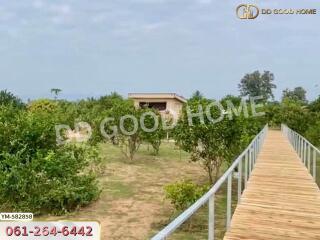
(282, 201)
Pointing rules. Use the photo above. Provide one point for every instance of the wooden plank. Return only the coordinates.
(282, 201)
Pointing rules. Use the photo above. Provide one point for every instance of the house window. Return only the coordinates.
(161, 106)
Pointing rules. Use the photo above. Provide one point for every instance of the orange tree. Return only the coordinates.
(36, 174)
(213, 138)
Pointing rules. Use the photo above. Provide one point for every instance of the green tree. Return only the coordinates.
(295, 115)
(273, 114)
(211, 143)
(297, 94)
(8, 98)
(197, 95)
(257, 84)
(155, 132)
(314, 106)
(107, 101)
(123, 127)
(36, 174)
(313, 133)
(92, 111)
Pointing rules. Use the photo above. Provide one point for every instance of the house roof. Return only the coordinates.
(157, 96)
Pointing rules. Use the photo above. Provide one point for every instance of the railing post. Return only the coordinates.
(302, 157)
(250, 162)
(254, 153)
(309, 157)
(305, 152)
(239, 180)
(246, 169)
(299, 146)
(229, 201)
(314, 164)
(300, 154)
(211, 218)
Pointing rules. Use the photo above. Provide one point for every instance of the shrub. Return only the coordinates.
(183, 194)
(296, 116)
(42, 105)
(37, 175)
(51, 182)
(313, 133)
(27, 131)
(9, 99)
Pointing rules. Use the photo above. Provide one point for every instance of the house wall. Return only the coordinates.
(174, 106)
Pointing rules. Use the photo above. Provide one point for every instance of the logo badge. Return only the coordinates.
(247, 11)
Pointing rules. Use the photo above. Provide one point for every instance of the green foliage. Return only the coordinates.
(214, 143)
(257, 84)
(125, 126)
(42, 105)
(94, 111)
(7, 98)
(297, 94)
(48, 182)
(273, 112)
(315, 105)
(37, 175)
(183, 194)
(153, 137)
(27, 131)
(197, 95)
(290, 112)
(300, 117)
(125, 132)
(313, 133)
(295, 115)
(244, 126)
(108, 101)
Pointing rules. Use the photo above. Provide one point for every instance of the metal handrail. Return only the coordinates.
(306, 151)
(249, 156)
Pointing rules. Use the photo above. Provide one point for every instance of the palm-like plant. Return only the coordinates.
(56, 92)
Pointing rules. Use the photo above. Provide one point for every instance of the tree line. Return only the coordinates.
(38, 175)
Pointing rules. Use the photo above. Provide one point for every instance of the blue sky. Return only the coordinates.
(93, 47)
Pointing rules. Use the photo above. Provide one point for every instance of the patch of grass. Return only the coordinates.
(132, 204)
(118, 189)
(168, 150)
